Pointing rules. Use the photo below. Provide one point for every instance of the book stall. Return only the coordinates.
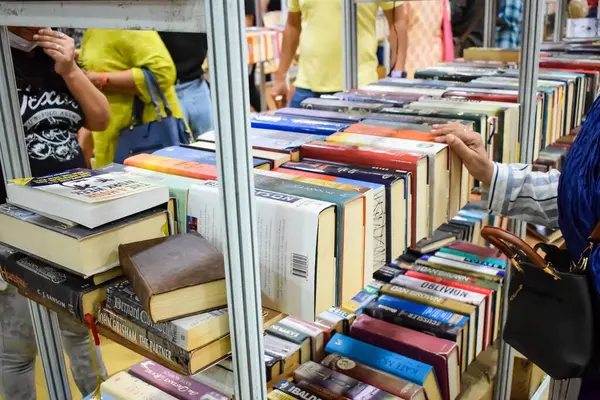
(332, 251)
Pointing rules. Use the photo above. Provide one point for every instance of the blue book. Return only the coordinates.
(202, 156)
(424, 310)
(321, 115)
(386, 361)
(294, 124)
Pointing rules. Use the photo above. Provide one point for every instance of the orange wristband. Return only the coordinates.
(102, 81)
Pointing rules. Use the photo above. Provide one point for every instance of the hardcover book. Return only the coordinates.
(178, 386)
(295, 124)
(338, 383)
(387, 361)
(289, 390)
(315, 332)
(331, 116)
(123, 386)
(398, 196)
(194, 281)
(414, 163)
(440, 353)
(382, 380)
(86, 197)
(84, 251)
(173, 166)
(201, 156)
(65, 292)
(189, 333)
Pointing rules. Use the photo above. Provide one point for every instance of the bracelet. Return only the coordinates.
(102, 80)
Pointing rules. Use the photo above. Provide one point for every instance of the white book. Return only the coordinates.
(123, 386)
(86, 197)
(296, 246)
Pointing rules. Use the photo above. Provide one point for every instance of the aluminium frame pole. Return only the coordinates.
(489, 23)
(559, 20)
(533, 13)
(228, 65)
(15, 164)
(350, 43)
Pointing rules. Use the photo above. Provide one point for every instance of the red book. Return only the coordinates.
(489, 293)
(365, 156)
(441, 354)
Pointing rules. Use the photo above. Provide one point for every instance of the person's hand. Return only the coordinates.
(468, 145)
(60, 47)
(280, 88)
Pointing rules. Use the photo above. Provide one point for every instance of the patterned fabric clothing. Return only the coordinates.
(76, 34)
(424, 34)
(120, 50)
(518, 192)
(508, 35)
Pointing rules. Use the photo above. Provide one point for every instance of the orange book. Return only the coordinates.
(167, 165)
(398, 133)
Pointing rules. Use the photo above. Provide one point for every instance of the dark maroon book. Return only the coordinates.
(178, 386)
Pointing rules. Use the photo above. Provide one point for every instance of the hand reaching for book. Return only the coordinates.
(469, 146)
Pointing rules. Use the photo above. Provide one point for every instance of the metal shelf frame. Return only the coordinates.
(529, 71)
(223, 20)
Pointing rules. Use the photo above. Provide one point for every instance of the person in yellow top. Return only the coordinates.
(316, 27)
(113, 60)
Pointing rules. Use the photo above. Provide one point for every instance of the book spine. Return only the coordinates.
(18, 273)
(412, 321)
(158, 346)
(316, 390)
(448, 292)
(132, 310)
(437, 314)
(294, 391)
(172, 383)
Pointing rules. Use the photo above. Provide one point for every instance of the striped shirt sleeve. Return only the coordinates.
(518, 192)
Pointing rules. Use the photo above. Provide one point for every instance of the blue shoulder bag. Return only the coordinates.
(151, 136)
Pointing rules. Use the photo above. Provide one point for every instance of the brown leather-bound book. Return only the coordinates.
(175, 276)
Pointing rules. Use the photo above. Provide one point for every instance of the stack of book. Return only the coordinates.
(264, 44)
(60, 234)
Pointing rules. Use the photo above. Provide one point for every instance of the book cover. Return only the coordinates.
(434, 242)
(441, 354)
(296, 251)
(173, 166)
(70, 293)
(294, 124)
(272, 140)
(358, 302)
(188, 333)
(198, 155)
(292, 391)
(387, 382)
(331, 116)
(178, 386)
(352, 107)
(338, 383)
(481, 270)
(415, 163)
(123, 386)
(386, 361)
(397, 190)
(386, 273)
(315, 332)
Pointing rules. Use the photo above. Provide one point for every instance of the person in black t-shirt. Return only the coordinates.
(188, 51)
(55, 100)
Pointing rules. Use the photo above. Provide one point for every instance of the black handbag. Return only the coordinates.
(149, 137)
(552, 312)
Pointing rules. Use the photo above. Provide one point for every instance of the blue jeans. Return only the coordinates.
(194, 98)
(302, 94)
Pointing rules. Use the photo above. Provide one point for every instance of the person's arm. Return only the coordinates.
(514, 189)
(398, 25)
(144, 49)
(61, 48)
(250, 9)
(289, 47)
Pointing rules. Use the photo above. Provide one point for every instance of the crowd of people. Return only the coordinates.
(77, 89)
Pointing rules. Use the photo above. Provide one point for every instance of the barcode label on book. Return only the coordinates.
(300, 265)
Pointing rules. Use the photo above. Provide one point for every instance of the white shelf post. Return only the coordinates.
(228, 65)
(350, 44)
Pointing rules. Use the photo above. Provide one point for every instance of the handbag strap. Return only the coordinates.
(511, 245)
(153, 88)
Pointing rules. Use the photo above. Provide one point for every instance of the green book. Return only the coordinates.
(350, 227)
(179, 188)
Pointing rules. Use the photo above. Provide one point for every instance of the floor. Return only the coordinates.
(116, 358)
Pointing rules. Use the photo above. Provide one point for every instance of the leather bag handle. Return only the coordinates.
(510, 245)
